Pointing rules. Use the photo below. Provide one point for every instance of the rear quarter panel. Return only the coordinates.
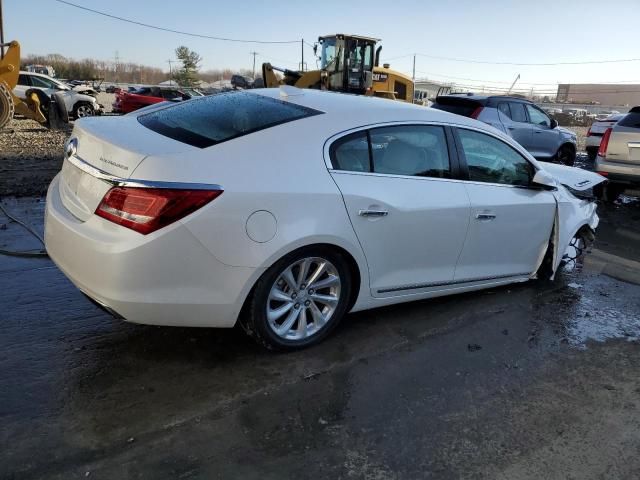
(280, 170)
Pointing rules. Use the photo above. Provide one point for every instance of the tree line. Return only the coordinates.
(185, 73)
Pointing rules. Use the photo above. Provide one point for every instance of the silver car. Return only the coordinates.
(522, 120)
(619, 155)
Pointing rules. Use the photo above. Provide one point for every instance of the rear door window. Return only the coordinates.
(518, 113)
(206, 121)
(415, 150)
(503, 107)
(410, 150)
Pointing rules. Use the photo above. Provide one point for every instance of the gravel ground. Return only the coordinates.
(31, 155)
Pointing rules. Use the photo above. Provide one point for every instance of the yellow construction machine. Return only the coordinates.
(349, 64)
(36, 105)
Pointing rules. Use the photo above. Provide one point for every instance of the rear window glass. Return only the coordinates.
(206, 121)
(458, 106)
(630, 120)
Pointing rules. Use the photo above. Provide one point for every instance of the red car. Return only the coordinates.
(129, 101)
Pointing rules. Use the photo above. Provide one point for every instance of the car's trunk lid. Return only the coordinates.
(107, 148)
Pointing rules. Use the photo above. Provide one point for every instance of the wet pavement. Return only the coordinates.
(540, 380)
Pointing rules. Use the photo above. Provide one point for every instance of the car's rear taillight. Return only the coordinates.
(145, 210)
(604, 143)
(476, 113)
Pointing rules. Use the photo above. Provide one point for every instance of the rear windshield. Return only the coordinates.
(459, 106)
(630, 120)
(206, 121)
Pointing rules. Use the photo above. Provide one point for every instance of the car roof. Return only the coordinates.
(349, 111)
(34, 74)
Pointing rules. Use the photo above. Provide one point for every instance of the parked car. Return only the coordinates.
(522, 120)
(284, 209)
(619, 155)
(132, 100)
(78, 104)
(596, 130)
(240, 81)
(111, 89)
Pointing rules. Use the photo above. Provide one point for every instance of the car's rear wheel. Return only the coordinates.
(83, 109)
(299, 300)
(566, 155)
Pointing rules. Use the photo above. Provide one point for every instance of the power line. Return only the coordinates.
(452, 59)
(155, 27)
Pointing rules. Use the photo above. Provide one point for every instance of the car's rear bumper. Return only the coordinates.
(617, 172)
(165, 278)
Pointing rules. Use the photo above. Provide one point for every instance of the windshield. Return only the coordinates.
(360, 55)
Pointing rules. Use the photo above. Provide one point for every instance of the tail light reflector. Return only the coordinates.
(604, 143)
(476, 113)
(146, 210)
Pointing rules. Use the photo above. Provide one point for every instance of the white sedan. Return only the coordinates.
(285, 209)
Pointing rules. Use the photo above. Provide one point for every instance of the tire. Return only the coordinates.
(83, 109)
(608, 193)
(297, 310)
(566, 155)
(592, 153)
(7, 107)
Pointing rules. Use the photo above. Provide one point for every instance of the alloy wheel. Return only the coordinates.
(303, 298)
(84, 111)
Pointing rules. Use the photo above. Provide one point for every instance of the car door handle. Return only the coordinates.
(538, 131)
(373, 213)
(485, 216)
(511, 128)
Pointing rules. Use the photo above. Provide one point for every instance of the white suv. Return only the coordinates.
(78, 104)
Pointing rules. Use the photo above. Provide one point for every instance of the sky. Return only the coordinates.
(487, 31)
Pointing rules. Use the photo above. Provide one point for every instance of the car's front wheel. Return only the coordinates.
(83, 109)
(299, 300)
(566, 155)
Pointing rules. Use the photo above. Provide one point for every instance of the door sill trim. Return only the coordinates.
(419, 286)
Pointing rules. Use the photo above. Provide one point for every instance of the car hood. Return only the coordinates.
(572, 177)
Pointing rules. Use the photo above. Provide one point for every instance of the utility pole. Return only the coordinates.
(1, 33)
(414, 67)
(117, 64)
(170, 70)
(302, 52)
(254, 63)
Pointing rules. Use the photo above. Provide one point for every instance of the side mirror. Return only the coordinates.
(544, 179)
(554, 123)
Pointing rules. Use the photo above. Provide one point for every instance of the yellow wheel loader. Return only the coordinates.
(35, 104)
(349, 64)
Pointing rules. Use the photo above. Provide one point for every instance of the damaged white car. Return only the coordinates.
(286, 209)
